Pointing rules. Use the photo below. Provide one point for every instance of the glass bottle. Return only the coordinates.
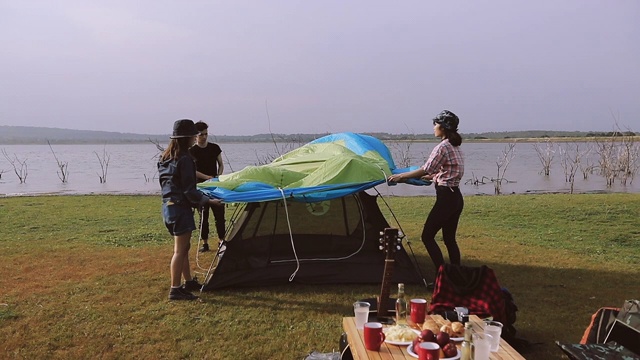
(401, 306)
(465, 348)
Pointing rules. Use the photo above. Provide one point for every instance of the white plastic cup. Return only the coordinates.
(481, 343)
(361, 311)
(493, 328)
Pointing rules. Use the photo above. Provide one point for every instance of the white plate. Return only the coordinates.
(457, 339)
(402, 343)
(410, 351)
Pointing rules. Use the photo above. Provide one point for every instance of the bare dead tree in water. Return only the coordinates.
(286, 145)
(587, 167)
(19, 166)
(153, 176)
(628, 154)
(607, 156)
(63, 167)
(570, 158)
(628, 158)
(475, 181)
(402, 149)
(266, 107)
(606, 160)
(154, 158)
(545, 154)
(104, 164)
(508, 153)
(158, 146)
(619, 156)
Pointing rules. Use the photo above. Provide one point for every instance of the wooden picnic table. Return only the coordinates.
(395, 352)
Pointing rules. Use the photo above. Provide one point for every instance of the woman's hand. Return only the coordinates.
(216, 202)
(395, 178)
(427, 177)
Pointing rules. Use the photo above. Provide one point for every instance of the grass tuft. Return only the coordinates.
(6, 313)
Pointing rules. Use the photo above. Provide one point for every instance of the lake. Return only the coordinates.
(132, 169)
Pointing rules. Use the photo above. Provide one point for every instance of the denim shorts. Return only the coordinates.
(178, 219)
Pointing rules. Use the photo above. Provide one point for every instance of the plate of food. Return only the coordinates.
(415, 355)
(400, 335)
(454, 329)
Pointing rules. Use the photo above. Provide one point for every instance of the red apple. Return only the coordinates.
(450, 350)
(427, 336)
(442, 338)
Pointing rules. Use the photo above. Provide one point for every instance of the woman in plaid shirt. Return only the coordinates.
(445, 168)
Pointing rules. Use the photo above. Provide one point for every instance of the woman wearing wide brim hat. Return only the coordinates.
(184, 128)
(177, 175)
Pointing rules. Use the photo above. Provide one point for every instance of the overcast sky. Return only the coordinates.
(320, 66)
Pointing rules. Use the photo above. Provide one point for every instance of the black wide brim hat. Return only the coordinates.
(184, 128)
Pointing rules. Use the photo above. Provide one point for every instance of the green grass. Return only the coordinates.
(88, 276)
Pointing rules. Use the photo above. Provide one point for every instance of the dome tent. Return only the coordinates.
(307, 218)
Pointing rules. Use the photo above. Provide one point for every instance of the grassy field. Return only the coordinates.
(88, 277)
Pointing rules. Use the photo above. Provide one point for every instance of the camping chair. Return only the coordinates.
(613, 333)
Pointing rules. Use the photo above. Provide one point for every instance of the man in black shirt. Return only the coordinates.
(208, 158)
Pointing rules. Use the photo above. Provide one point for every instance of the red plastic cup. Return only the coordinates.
(373, 336)
(428, 351)
(418, 310)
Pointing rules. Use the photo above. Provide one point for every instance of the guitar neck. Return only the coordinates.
(383, 300)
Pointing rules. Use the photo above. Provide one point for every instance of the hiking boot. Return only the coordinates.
(181, 294)
(204, 248)
(192, 285)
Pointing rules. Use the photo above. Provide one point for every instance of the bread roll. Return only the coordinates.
(457, 327)
(431, 325)
(442, 322)
(447, 328)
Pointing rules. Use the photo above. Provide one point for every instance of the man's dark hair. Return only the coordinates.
(201, 126)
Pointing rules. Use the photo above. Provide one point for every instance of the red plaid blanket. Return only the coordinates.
(475, 288)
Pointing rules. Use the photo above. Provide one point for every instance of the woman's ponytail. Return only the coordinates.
(454, 138)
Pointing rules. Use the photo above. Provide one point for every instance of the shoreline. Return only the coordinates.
(527, 192)
(632, 139)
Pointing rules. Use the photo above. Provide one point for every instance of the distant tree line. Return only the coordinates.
(41, 135)
(611, 134)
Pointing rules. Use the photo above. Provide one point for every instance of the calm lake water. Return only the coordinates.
(132, 169)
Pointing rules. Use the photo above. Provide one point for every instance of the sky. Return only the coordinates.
(320, 66)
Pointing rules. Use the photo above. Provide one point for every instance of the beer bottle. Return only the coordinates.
(465, 348)
(401, 306)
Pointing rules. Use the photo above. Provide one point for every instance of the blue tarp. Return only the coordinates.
(326, 168)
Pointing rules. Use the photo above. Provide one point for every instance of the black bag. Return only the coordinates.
(345, 352)
(510, 309)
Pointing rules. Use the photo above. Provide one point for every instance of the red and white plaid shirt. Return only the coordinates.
(447, 163)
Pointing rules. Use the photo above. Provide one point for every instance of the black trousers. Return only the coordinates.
(444, 215)
(218, 214)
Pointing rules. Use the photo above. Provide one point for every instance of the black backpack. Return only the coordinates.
(508, 330)
(510, 308)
